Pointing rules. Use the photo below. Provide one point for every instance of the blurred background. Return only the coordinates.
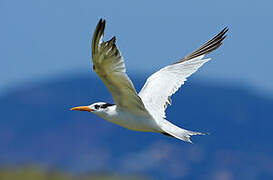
(46, 69)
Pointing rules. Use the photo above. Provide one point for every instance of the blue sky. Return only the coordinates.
(43, 40)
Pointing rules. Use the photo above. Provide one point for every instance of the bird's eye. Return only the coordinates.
(97, 106)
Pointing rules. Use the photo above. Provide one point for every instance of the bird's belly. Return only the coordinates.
(134, 122)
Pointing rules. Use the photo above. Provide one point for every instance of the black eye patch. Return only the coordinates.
(97, 106)
(106, 105)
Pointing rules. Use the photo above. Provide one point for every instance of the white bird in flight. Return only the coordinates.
(144, 111)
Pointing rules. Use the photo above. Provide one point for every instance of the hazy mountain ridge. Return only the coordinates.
(37, 126)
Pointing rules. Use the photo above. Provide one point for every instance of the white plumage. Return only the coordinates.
(144, 111)
(161, 85)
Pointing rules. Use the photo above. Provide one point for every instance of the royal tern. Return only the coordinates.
(144, 111)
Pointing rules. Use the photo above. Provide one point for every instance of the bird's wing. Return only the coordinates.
(109, 65)
(159, 87)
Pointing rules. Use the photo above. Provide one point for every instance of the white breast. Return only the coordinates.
(130, 121)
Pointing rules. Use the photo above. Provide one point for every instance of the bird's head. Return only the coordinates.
(97, 108)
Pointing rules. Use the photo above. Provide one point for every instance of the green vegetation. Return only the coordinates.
(34, 173)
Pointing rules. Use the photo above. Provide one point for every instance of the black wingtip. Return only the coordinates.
(113, 39)
(99, 32)
(208, 47)
(225, 30)
(102, 20)
(101, 24)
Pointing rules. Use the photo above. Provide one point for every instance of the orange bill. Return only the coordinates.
(82, 108)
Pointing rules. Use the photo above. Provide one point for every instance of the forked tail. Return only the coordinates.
(170, 129)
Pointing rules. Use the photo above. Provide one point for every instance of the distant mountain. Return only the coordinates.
(37, 127)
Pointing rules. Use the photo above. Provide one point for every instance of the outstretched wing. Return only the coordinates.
(159, 87)
(109, 65)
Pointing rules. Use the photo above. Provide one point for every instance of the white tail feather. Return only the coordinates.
(178, 132)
